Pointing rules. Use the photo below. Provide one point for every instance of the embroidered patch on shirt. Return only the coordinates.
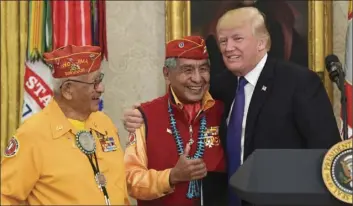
(212, 137)
(12, 147)
(212, 141)
(212, 131)
(131, 140)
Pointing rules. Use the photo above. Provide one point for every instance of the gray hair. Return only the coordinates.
(171, 63)
(57, 82)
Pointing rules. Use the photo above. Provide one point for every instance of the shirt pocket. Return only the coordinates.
(103, 166)
(108, 151)
(112, 164)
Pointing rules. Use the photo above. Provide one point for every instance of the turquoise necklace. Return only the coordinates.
(194, 190)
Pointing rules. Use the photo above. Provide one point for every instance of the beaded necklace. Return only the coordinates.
(194, 190)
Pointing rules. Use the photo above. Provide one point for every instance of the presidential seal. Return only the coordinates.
(85, 142)
(337, 171)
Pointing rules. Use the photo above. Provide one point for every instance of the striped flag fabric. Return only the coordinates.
(38, 79)
(54, 24)
(38, 88)
(348, 71)
(72, 23)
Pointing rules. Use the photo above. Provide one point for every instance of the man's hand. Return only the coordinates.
(186, 170)
(132, 119)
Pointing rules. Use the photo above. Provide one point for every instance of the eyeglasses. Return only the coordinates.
(95, 83)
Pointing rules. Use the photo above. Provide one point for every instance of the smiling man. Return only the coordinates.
(268, 103)
(68, 153)
(175, 157)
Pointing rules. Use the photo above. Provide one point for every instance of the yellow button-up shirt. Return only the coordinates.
(48, 168)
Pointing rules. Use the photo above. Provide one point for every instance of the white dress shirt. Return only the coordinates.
(252, 78)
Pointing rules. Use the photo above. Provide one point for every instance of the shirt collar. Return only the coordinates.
(254, 74)
(60, 124)
(207, 100)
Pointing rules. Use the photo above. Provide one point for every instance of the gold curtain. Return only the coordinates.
(14, 26)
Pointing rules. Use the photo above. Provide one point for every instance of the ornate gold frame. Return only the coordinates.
(178, 24)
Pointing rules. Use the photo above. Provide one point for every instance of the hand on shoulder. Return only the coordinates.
(132, 118)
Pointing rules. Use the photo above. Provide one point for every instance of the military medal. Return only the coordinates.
(85, 142)
(108, 144)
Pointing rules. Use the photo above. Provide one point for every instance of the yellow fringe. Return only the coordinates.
(36, 30)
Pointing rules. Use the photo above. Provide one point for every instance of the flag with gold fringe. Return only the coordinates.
(37, 80)
(54, 24)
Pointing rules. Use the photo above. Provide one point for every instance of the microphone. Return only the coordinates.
(336, 73)
(334, 68)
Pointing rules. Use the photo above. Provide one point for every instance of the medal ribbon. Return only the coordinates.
(36, 32)
(71, 23)
(102, 28)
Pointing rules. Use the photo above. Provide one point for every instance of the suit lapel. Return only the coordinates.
(262, 90)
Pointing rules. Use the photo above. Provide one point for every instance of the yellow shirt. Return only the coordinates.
(49, 169)
(145, 184)
(77, 124)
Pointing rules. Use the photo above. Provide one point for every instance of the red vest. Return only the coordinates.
(162, 149)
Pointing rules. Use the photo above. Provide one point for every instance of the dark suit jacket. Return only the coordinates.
(294, 111)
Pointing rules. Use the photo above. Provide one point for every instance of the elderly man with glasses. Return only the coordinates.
(69, 153)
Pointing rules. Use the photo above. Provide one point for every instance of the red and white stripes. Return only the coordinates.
(71, 23)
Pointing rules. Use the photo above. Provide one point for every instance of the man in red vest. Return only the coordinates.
(176, 157)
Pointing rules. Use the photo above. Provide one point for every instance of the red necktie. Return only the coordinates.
(191, 111)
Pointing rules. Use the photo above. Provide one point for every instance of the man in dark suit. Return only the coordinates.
(269, 103)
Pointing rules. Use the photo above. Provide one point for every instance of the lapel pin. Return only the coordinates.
(264, 88)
